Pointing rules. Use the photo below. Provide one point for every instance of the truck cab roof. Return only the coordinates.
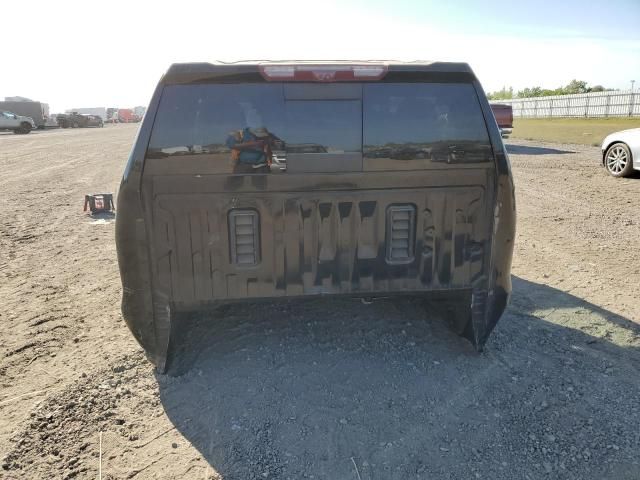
(243, 70)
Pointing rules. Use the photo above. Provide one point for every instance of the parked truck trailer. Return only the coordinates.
(139, 111)
(38, 111)
(126, 115)
(96, 111)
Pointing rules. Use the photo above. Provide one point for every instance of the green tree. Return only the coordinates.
(504, 94)
(576, 86)
(530, 92)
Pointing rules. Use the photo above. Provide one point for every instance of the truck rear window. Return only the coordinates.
(256, 128)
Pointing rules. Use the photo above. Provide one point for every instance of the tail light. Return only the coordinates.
(322, 73)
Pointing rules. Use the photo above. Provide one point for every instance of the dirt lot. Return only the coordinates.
(329, 389)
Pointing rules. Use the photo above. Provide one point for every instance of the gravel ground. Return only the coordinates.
(334, 389)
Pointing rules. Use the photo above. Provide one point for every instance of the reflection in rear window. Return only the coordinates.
(319, 126)
(196, 117)
(391, 126)
(417, 122)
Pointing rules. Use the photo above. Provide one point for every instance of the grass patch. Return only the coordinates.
(587, 131)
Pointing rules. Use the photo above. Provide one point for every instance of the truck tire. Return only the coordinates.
(24, 128)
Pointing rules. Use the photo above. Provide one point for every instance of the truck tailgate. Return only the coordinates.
(318, 240)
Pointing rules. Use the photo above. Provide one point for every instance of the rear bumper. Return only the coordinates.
(471, 314)
(457, 252)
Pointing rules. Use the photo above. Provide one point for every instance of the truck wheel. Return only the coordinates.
(24, 128)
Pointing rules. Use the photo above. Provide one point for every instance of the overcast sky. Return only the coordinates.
(111, 53)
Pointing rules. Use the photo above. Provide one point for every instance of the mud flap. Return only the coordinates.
(486, 310)
(467, 316)
(162, 324)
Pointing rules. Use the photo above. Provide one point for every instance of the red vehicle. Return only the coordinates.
(126, 115)
(504, 117)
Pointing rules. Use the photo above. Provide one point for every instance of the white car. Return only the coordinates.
(279, 160)
(16, 123)
(619, 150)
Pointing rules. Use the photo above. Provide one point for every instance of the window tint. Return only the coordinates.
(422, 122)
(193, 117)
(323, 126)
(259, 128)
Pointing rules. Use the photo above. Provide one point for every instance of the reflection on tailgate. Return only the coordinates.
(311, 244)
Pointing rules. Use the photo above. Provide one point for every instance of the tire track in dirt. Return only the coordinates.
(51, 259)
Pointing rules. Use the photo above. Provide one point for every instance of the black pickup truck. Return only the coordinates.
(392, 180)
(77, 120)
